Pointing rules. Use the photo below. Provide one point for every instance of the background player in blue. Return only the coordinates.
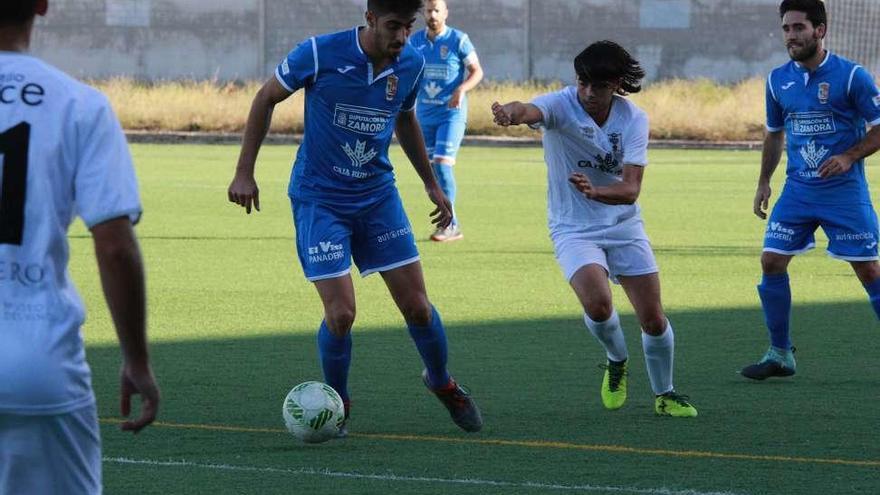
(62, 154)
(451, 70)
(822, 102)
(360, 85)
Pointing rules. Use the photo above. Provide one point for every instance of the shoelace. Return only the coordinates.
(457, 394)
(615, 375)
(679, 399)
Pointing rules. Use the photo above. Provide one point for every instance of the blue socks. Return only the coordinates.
(431, 343)
(447, 182)
(775, 294)
(335, 355)
(873, 289)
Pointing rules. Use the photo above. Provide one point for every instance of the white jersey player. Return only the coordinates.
(62, 154)
(595, 145)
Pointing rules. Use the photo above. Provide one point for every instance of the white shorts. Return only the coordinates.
(51, 455)
(626, 258)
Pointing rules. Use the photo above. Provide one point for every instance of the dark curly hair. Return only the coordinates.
(607, 61)
(815, 10)
(15, 12)
(400, 7)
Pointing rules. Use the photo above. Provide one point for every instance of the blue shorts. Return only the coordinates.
(851, 228)
(378, 236)
(443, 139)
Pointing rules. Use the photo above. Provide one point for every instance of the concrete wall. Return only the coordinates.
(727, 40)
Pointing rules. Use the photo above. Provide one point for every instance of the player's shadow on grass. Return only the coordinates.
(539, 380)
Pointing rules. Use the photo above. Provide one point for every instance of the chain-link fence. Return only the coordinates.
(854, 31)
(724, 40)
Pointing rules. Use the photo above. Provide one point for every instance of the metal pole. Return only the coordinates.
(261, 40)
(527, 62)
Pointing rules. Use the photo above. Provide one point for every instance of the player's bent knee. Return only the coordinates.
(417, 311)
(866, 271)
(774, 263)
(599, 310)
(654, 324)
(339, 322)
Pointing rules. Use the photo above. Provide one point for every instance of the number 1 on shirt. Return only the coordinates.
(14, 144)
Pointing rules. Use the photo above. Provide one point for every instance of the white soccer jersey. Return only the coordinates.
(574, 143)
(62, 154)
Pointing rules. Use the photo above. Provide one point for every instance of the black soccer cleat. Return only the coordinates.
(775, 363)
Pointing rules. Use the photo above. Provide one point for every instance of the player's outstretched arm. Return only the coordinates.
(516, 113)
(409, 135)
(774, 141)
(243, 190)
(122, 277)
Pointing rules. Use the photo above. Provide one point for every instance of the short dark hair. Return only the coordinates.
(15, 12)
(607, 61)
(815, 10)
(400, 7)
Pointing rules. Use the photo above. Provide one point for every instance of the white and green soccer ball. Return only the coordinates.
(313, 412)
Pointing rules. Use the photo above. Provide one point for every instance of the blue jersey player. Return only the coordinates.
(820, 103)
(451, 70)
(360, 86)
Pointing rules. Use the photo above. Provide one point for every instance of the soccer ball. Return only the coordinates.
(313, 412)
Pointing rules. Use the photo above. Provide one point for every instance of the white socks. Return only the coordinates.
(659, 353)
(610, 335)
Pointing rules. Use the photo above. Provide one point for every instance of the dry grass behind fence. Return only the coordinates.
(698, 109)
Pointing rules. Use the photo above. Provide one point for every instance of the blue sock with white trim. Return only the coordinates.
(335, 356)
(446, 178)
(431, 343)
(873, 289)
(775, 293)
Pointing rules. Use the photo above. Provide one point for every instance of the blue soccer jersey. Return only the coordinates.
(350, 112)
(823, 113)
(446, 60)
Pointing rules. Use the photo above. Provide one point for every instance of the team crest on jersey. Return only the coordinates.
(391, 87)
(876, 100)
(444, 51)
(614, 138)
(824, 91)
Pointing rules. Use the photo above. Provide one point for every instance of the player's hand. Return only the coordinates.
(138, 380)
(502, 114)
(583, 185)
(442, 215)
(455, 99)
(762, 201)
(244, 192)
(836, 165)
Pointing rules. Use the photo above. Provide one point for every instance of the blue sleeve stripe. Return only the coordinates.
(315, 55)
(281, 80)
(874, 122)
(852, 74)
(775, 129)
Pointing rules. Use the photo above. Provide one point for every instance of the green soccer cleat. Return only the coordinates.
(614, 384)
(775, 363)
(675, 405)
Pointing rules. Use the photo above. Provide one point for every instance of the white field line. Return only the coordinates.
(411, 479)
